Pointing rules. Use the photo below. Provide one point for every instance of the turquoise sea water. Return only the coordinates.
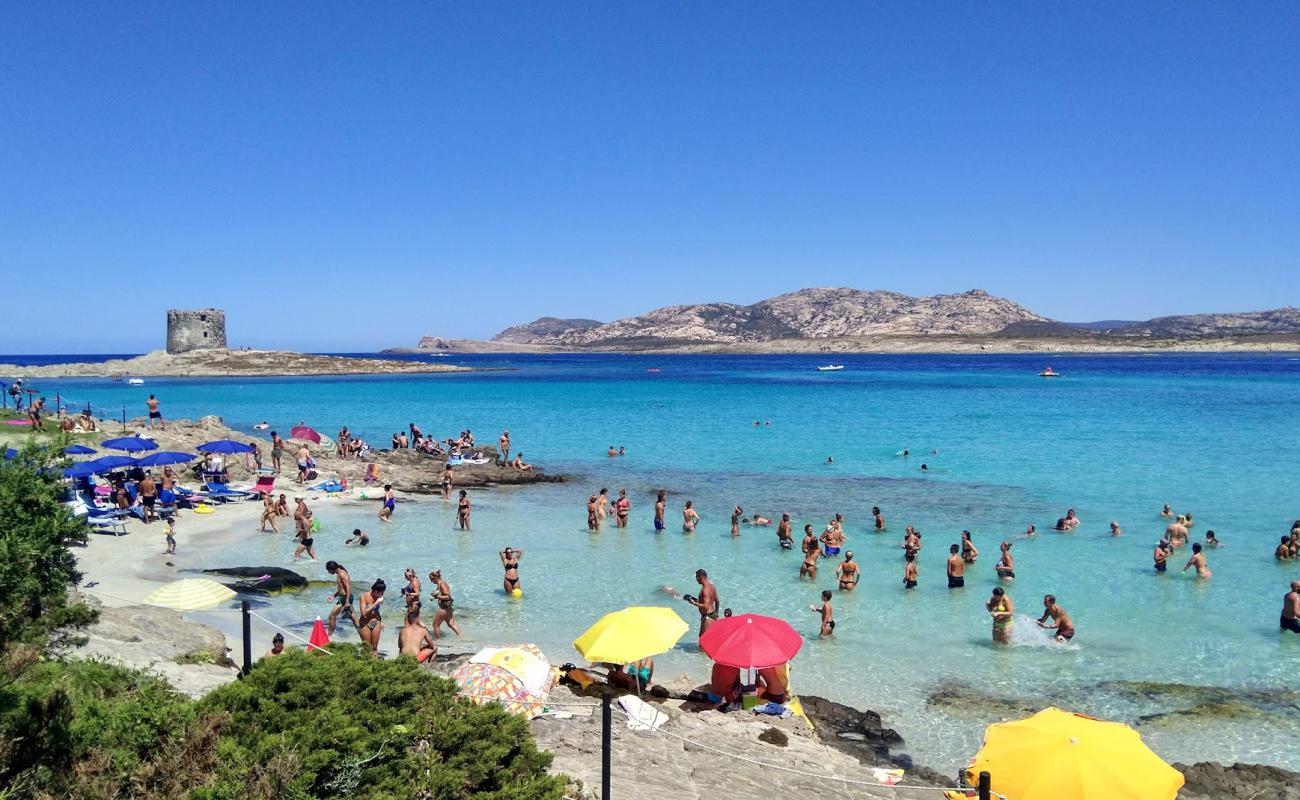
(1114, 438)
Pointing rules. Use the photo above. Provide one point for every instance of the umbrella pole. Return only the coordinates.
(248, 636)
(605, 733)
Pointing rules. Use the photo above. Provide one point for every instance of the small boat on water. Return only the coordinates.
(135, 381)
(831, 368)
(1049, 373)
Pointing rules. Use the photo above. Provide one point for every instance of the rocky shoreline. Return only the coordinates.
(227, 363)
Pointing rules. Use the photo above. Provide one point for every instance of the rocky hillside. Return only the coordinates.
(805, 314)
(539, 329)
(1284, 320)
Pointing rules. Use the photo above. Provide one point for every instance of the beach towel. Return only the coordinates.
(774, 710)
(641, 716)
(372, 473)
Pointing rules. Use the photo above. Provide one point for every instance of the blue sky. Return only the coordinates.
(339, 177)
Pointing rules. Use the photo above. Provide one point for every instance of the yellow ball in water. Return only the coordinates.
(517, 593)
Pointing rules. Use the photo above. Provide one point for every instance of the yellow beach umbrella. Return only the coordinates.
(191, 594)
(621, 637)
(1057, 755)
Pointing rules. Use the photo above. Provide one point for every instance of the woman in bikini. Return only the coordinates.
(1006, 566)
(622, 508)
(462, 511)
(689, 517)
(268, 513)
(411, 591)
(446, 612)
(1198, 560)
(446, 482)
(968, 551)
(510, 560)
(371, 624)
(602, 505)
(1002, 610)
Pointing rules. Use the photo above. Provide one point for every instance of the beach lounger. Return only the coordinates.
(222, 493)
(265, 484)
(113, 522)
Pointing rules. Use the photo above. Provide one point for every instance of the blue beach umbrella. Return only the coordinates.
(79, 450)
(165, 457)
(11, 454)
(224, 446)
(131, 444)
(83, 470)
(109, 463)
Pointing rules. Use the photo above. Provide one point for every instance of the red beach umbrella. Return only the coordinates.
(303, 433)
(319, 638)
(751, 641)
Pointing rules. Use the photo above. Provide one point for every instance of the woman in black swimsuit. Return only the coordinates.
(510, 560)
(462, 511)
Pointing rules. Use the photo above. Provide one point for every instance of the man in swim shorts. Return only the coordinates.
(154, 413)
(783, 536)
(1161, 555)
(661, 502)
(1060, 620)
(707, 602)
(342, 596)
(1291, 609)
(828, 615)
(910, 572)
(833, 538)
(414, 639)
(956, 568)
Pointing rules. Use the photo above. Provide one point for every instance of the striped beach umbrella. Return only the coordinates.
(191, 594)
(489, 683)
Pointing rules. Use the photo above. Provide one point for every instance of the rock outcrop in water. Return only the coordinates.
(806, 314)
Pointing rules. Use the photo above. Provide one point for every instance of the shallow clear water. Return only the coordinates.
(1114, 438)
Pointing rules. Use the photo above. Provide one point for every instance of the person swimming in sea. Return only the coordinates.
(1030, 532)
(1061, 621)
(1198, 560)
(848, 573)
(1212, 540)
(1114, 529)
(1003, 612)
(1167, 512)
(1006, 566)
(510, 562)
(828, 615)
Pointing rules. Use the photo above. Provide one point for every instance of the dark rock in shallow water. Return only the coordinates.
(1212, 781)
(956, 697)
(862, 734)
(277, 580)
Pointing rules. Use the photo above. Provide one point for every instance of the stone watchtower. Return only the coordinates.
(204, 329)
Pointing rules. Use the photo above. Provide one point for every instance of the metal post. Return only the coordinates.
(58, 403)
(605, 717)
(248, 637)
(986, 786)
(124, 417)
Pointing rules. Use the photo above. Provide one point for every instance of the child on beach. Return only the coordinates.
(171, 537)
(828, 623)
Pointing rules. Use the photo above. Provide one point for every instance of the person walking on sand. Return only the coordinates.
(811, 552)
(446, 613)
(1060, 620)
(689, 517)
(956, 568)
(390, 503)
(371, 624)
(414, 639)
(1003, 611)
(828, 615)
(1197, 560)
(342, 597)
(1291, 609)
(304, 463)
(147, 490)
(154, 413)
(171, 537)
(462, 510)
(707, 602)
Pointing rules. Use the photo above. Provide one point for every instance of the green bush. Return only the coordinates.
(310, 725)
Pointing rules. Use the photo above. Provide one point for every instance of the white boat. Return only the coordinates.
(135, 381)
(831, 368)
(1049, 373)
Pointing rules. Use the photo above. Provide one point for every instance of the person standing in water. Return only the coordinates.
(462, 510)
(1197, 560)
(1291, 609)
(593, 524)
(848, 573)
(1060, 620)
(390, 503)
(371, 624)
(910, 572)
(1003, 611)
(689, 517)
(661, 505)
(968, 551)
(828, 615)
(879, 519)
(833, 539)
(441, 595)
(811, 552)
(1161, 555)
(956, 568)
(1006, 566)
(342, 596)
(735, 520)
(622, 509)
(1167, 512)
(707, 602)
(414, 639)
(447, 480)
(602, 506)
(783, 536)
(510, 562)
